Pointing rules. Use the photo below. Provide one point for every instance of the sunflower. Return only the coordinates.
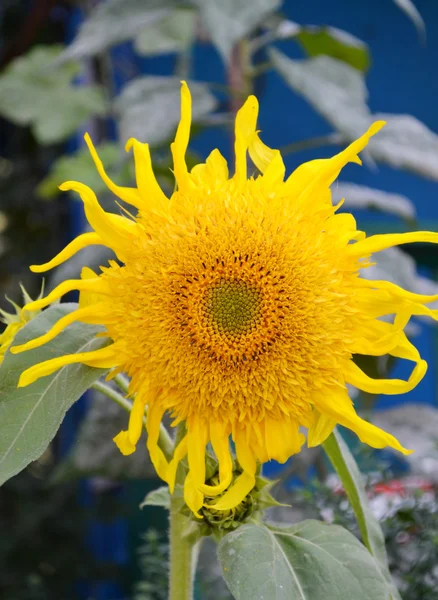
(236, 305)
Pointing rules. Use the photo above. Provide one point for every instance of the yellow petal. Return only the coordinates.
(245, 482)
(336, 405)
(104, 358)
(355, 376)
(376, 243)
(178, 455)
(308, 178)
(114, 230)
(153, 423)
(196, 443)
(246, 120)
(320, 429)
(179, 146)
(151, 194)
(193, 497)
(123, 443)
(221, 447)
(129, 195)
(80, 242)
(282, 438)
(92, 315)
(213, 173)
(97, 286)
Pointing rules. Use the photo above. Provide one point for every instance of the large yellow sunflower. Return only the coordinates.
(236, 306)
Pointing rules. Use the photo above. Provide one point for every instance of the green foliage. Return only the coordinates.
(371, 532)
(306, 561)
(34, 92)
(335, 43)
(153, 564)
(175, 32)
(229, 21)
(158, 497)
(115, 21)
(149, 107)
(29, 420)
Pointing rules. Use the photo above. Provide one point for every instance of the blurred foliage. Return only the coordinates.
(153, 562)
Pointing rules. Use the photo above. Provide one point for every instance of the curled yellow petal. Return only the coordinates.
(153, 423)
(221, 447)
(376, 243)
(151, 194)
(97, 286)
(129, 195)
(104, 358)
(335, 404)
(178, 455)
(80, 242)
(246, 120)
(355, 376)
(320, 429)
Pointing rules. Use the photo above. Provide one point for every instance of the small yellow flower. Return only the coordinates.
(237, 307)
(14, 322)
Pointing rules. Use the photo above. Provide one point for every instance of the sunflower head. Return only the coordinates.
(236, 306)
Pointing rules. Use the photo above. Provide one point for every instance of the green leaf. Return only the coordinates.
(371, 532)
(158, 497)
(95, 453)
(307, 561)
(173, 33)
(335, 89)
(80, 166)
(34, 92)
(30, 417)
(149, 107)
(363, 197)
(335, 43)
(115, 21)
(409, 8)
(229, 21)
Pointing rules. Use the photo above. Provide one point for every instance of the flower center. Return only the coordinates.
(233, 307)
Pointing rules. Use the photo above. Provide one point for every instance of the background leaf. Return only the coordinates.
(158, 497)
(35, 92)
(229, 21)
(363, 197)
(30, 417)
(149, 107)
(409, 8)
(335, 89)
(371, 532)
(172, 33)
(308, 561)
(112, 22)
(335, 43)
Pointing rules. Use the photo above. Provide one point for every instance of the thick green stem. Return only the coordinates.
(182, 556)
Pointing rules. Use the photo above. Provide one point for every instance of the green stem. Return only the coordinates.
(164, 440)
(182, 557)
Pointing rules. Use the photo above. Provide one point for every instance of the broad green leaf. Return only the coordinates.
(30, 417)
(336, 90)
(307, 561)
(95, 453)
(173, 33)
(80, 166)
(149, 107)
(229, 21)
(335, 43)
(115, 21)
(363, 197)
(158, 497)
(34, 92)
(409, 8)
(371, 532)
